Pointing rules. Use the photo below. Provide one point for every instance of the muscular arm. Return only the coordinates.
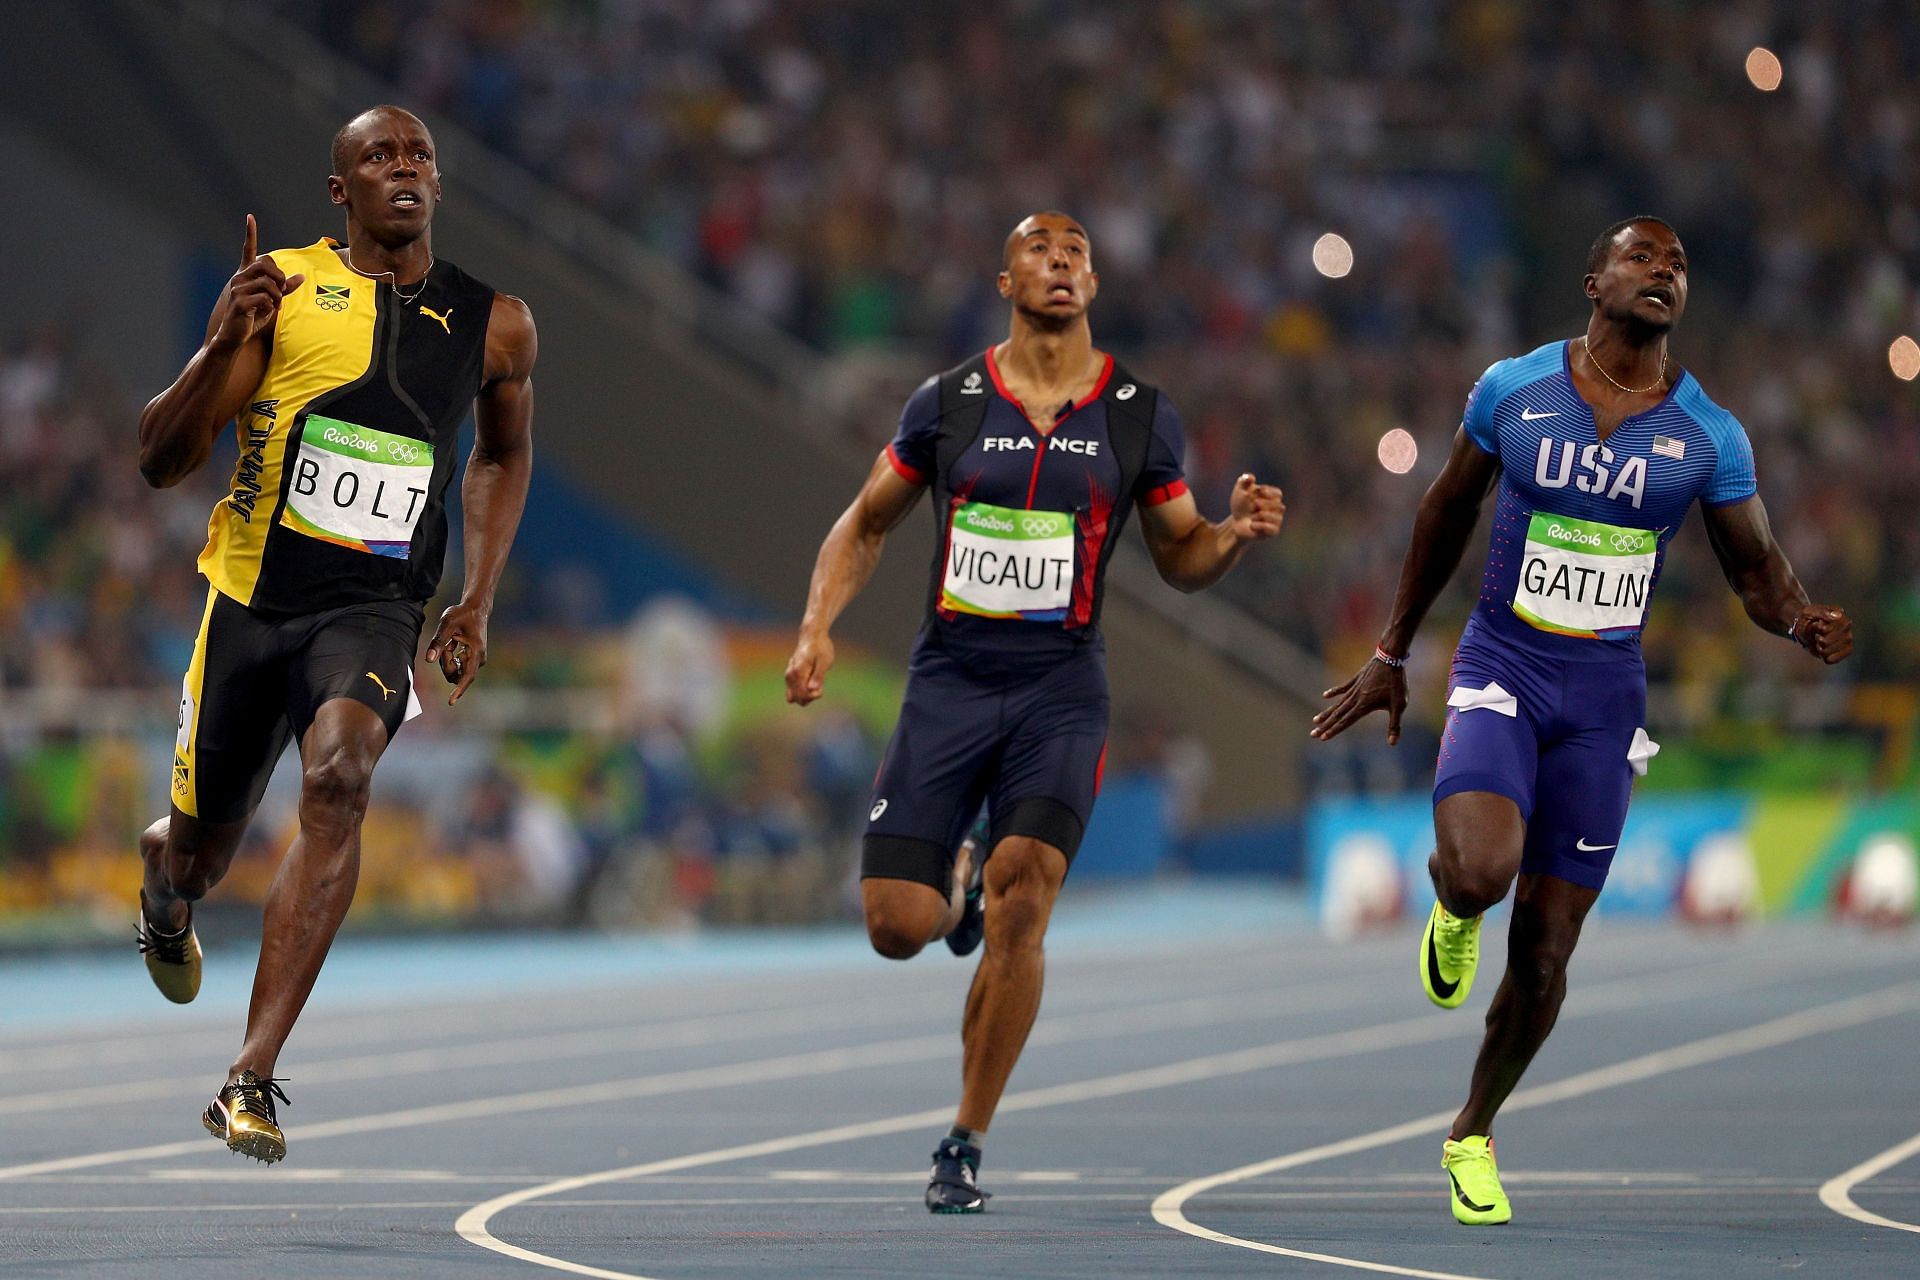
(178, 426)
(494, 492)
(1441, 528)
(846, 560)
(1758, 572)
(1192, 552)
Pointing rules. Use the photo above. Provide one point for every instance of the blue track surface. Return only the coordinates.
(762, 1105)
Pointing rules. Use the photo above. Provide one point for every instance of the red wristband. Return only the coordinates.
(1381, 655)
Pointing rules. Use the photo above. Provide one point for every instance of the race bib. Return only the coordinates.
(1006, 563)
(1584, 578)
(357, 487)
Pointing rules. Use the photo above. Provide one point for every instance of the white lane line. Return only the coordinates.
(1169, 1206)
(1426, 1028)
(1837, 1193)
(439, 1020)
(683, 1033)
(342, 1027)
(1099, 1024)
(472, 1225)
(1630, 992)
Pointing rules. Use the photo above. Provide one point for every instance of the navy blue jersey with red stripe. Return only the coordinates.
(1026, 520)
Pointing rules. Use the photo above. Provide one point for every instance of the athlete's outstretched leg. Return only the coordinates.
(1023, 879)
(1547, 915)
(314, 885)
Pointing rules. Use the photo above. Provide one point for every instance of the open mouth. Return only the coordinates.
(1060, 293)
(1659, 294)
(405, 199)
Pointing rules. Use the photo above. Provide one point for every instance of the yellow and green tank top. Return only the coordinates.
(347, 446)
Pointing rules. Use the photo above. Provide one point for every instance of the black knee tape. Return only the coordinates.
(1041, 818)
(906, 858)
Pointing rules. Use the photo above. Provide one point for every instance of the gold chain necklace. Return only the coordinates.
(1616, 382)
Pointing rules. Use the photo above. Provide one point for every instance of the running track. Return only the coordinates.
(1211, 1091)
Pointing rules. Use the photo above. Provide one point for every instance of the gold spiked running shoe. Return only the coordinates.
(173, 959)
(242, 1116)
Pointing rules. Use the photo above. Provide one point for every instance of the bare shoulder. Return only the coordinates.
(512, 341)
(511, 321)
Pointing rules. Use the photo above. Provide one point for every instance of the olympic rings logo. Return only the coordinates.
(1628, 541)
(1038, 527)
(403, 452)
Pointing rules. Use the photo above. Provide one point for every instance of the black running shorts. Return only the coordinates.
(1031, 744)
(257, 680)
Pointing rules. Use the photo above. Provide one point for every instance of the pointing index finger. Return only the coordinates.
(250, 247)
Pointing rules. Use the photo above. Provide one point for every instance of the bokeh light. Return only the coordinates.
(1763, 69)
(1332, 255)
(1398, 451)
(1904, 358)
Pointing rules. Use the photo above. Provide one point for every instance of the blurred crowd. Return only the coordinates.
(644, 770)
(849, 167)
(667, 811)
(659, 797)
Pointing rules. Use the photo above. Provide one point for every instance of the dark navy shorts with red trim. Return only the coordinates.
(1029, 742)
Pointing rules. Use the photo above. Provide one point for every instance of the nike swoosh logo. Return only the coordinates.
(1461, 1196)
(1582, 845)
(1528, 415)
(1441, 987)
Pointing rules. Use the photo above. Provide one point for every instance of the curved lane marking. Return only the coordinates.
(1837, 1193)
(1426, 1028)
(1169, 1207)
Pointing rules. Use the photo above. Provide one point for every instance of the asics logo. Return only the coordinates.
(1528, 415)
(1126, 392)
(1582, 845)
(439, 318)
(972, 387)
(873, 814)
(1628, 541)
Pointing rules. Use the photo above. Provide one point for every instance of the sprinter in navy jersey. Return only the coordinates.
(1595, 450)
(1035, 452)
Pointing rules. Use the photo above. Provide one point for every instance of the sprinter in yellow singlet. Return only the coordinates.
(347, 370)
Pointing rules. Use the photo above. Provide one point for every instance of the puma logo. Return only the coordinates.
(385, 692)
(437, 317)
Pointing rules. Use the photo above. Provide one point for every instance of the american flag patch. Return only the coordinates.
(1667, 447)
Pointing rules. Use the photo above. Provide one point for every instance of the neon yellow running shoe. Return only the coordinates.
(1449, 953)
(1477, 1199)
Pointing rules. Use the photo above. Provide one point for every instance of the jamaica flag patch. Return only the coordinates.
(331, 297)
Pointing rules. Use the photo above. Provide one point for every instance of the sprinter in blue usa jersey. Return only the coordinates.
(1035, 452)
(1594, 449)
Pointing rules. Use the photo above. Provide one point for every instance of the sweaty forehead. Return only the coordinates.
(1647, 236)
(1042, 224)
(386, 126)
